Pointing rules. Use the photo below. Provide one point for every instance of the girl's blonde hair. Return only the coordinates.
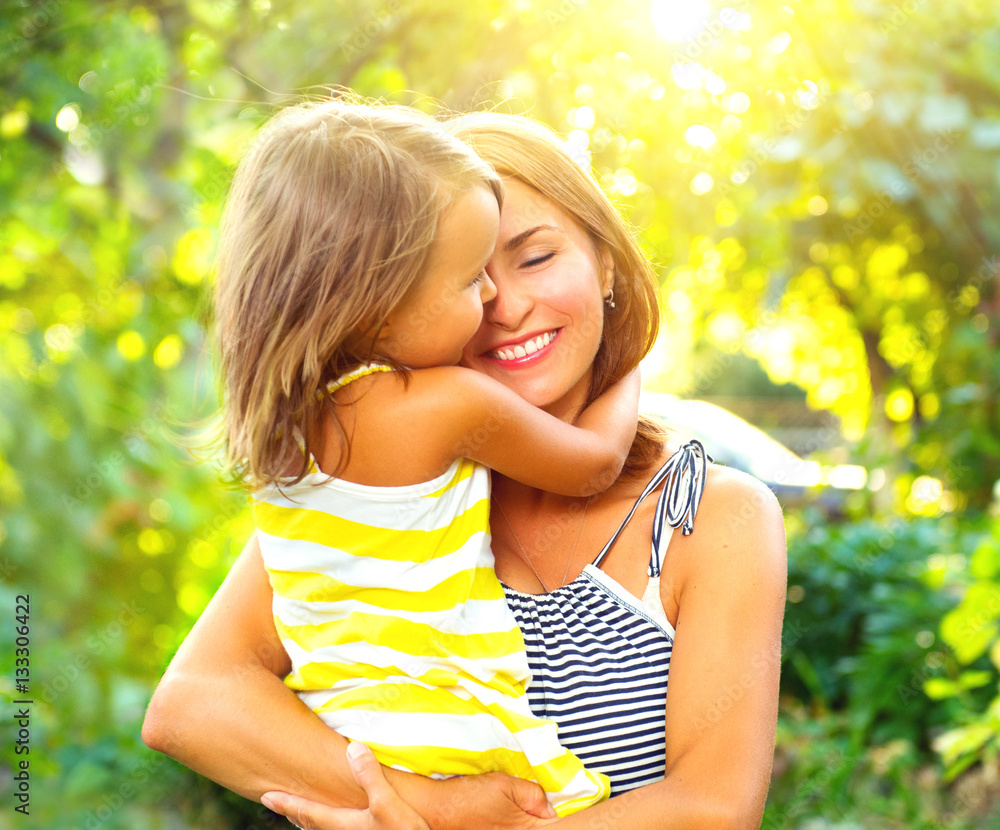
(524, 149)
(326, 229)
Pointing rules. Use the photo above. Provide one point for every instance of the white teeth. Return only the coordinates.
(524, 349)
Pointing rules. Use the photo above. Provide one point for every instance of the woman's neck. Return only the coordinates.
(570, 405)
(523, 497)
(517, 498)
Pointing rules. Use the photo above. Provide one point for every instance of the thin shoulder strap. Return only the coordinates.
(360, 372)
(678, 502)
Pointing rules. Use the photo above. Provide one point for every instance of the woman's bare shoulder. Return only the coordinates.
(739, 525)
(732, 490)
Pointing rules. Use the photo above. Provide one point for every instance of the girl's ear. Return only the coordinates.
(386, 341)
(366, 336)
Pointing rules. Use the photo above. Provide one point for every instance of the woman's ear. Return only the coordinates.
(606, 263)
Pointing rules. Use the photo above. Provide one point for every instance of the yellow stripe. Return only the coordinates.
(359, 539)
(408, 697)
(320, 676)
(413, 638)
(428, 760)
(565, 808)
(470, 584)
(466, 467)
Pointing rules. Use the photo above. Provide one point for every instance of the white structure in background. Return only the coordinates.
(732, 441)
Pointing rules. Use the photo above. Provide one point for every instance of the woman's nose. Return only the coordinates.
(510, 305)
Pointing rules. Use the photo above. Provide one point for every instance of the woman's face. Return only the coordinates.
(540, 334)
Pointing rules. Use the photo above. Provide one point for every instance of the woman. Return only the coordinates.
(605, 613)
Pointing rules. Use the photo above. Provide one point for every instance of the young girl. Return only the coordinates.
(351, 277)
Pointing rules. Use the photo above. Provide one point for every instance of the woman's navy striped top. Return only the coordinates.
(600, 656)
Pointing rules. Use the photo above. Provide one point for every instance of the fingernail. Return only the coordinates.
(355, 749)
(267, 803)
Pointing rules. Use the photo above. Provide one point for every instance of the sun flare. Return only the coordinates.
(680, 20)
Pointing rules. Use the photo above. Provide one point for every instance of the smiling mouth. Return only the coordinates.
(524, 349)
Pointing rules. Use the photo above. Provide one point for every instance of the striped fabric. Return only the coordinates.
(398, 631)
(600, 656)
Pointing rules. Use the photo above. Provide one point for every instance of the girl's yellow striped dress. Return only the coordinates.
(398, 631)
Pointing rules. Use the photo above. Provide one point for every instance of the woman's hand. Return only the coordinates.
(385, 811)
(486, 801)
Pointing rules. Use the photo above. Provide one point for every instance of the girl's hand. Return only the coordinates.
(492, 801)
(385, 811)
(485, 801)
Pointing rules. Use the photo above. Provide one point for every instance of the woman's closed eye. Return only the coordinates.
(537, 260)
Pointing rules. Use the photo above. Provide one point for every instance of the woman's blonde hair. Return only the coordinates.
(528, 151)
(326, 229)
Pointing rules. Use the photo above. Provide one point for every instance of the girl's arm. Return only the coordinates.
(223, 710)
(478, 417)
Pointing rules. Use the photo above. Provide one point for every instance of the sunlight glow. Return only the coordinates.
(68, 117)
(779, 43)
(846, 476)
(699, 135)
(737, 102)
(687, 75)
(735, 20)
(714, 84)
(680, 20)
(701, 184)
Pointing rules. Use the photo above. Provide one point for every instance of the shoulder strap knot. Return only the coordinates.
(678, 503)
(679, 500)
(682, 494)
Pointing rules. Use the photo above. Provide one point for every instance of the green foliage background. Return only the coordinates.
(832, 218)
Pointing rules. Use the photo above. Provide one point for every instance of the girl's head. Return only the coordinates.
(563, 247)
(327, 232)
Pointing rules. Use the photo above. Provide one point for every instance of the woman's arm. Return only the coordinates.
(385, 808)
(218, 705)
(724, 670)
(223, 710)
(722, 702)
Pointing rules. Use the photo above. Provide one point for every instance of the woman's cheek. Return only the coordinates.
(584, 336)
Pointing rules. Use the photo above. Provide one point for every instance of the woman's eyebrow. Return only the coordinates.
(515, 241)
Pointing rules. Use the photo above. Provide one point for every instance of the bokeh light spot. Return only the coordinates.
(699, 135)
(899, 405)
(131, 345)
(68, 118)
(817, 206)
(701, 184)
(169, 351)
